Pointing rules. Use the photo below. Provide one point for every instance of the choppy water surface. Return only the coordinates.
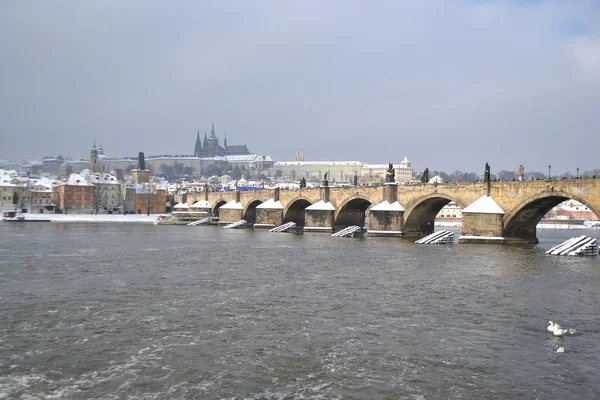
(135, 311)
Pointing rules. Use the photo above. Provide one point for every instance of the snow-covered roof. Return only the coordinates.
(241, 157)
(483, 205)
(201, 204)
(271, 204)
(77, 180)
(383, 166)
(263, 158)
(321, 205)
(179, 206)
(104, 179)
(309, 163)
(233, 205)
(386, 206)
(144, 188)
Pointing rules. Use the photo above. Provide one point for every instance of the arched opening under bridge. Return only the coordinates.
(420, 221)
(521, 227)
(218, 206)
(295, 212)
(352, 213)
(250, 213)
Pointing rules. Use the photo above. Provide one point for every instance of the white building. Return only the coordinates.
(376, 173)
(337, 171)
(42, 196)
(450, 211)
(108, 196)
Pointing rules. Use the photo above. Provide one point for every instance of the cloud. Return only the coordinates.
(450, 84)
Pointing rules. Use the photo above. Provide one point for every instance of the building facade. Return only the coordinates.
(337, 171)
(76, 195)
(108, 198)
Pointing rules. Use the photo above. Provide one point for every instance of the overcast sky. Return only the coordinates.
(449, 84)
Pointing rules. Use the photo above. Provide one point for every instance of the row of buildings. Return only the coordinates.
(210, 158)
(99, 193)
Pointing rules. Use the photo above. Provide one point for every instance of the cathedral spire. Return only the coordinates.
(198, 146)
(225, 140)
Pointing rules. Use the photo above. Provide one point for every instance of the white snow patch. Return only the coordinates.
(272, 204)
(201, 204)
(484, 205)
(386, 206)
(482, 237)
(321, 205)
(233, 205)
(93, 217)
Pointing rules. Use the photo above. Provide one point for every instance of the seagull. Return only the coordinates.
(561, 349)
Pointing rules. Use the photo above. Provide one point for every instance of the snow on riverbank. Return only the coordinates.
(141, 218)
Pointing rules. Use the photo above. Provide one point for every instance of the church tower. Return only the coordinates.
(94, 166)
(198, 147)
(225, 142)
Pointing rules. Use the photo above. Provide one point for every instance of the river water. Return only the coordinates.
(136, 311)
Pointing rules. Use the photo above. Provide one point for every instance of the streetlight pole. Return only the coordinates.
(465, 176)
(577, 172)
(549, 166)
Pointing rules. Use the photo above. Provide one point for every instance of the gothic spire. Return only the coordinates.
(198, 146)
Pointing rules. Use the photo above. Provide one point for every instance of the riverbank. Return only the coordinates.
(91, 218)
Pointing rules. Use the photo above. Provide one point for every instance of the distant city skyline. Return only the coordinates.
(450, 85)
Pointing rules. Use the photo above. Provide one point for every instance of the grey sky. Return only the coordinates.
(450, 84)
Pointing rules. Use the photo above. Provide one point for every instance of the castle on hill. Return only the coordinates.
(210, 147)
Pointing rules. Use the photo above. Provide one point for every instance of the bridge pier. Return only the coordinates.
(319, 217)
(483, 222)
(387, 217)
(269, 214)
(231, 212)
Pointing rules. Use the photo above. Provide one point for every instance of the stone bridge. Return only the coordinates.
(521, 206)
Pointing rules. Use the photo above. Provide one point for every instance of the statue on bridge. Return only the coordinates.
(425, 177)
(487, 175)
(325, 181)
(355, 180)
(390, 175)
(521, 175)
(302, 183)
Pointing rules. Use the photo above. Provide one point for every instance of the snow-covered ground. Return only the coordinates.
(142, 218)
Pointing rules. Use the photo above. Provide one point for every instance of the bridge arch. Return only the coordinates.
(250, 210)
(419, 217)
(218, 205)
(294, 211)
(521, 222)
(352, 212)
